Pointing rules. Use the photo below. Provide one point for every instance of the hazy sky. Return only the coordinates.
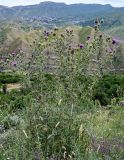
(116, 3)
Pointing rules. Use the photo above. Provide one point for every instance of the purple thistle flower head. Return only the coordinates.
(47, 33)
(109, 50)
(14, 63)
(13, 53)
(81, 46)
(114, 41)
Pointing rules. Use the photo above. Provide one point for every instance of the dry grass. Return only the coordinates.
(13, 86)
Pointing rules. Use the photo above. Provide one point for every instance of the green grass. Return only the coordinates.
(84, 32)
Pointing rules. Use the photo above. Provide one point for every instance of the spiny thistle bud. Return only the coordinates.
(96, 27)
(46, 38)
(62, 35)
(69, 47)
(100, 36)
(97, 21)
(67, 31)
(108, 39)
(88, 37)
(56, 29)
(102, 21)
(72, 51)
(71, 31)
(39, 44)
(47, 34)
(54, 34)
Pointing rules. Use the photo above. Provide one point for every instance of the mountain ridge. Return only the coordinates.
(54, 9)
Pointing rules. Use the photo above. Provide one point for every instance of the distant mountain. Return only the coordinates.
(52, 9)
(57, 10)
(6, 13)
(61, 13)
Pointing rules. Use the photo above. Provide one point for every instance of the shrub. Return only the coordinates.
(109, 87)
(9, 78)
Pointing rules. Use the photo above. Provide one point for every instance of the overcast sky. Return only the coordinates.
(116, 3)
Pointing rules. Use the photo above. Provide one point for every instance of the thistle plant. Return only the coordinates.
(60, 76)
(102, 48)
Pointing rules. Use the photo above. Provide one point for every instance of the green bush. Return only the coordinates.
(9, 78)
(109, 87)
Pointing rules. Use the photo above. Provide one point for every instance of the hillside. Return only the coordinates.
(15, 37)
(117, 32)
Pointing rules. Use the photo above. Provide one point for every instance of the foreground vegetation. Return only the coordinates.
(63, 109)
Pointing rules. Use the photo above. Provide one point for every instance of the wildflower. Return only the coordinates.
(109, 50)
(81, 46)
(114, 41)
(13, 53)
(47, 34)
(14, 63)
